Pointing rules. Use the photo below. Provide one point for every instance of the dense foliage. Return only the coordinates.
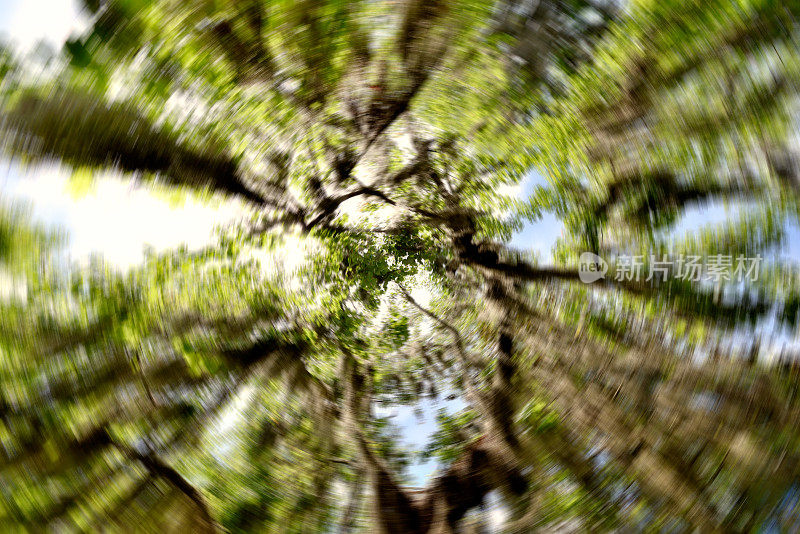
(377, 150)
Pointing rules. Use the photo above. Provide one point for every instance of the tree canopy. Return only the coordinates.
(396, 147)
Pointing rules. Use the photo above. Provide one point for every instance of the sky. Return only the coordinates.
(28, 21)
(114, 218)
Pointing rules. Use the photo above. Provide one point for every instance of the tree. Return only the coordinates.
(378, 137)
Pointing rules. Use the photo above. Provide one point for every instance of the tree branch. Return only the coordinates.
(81, 129)
(159, 468)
